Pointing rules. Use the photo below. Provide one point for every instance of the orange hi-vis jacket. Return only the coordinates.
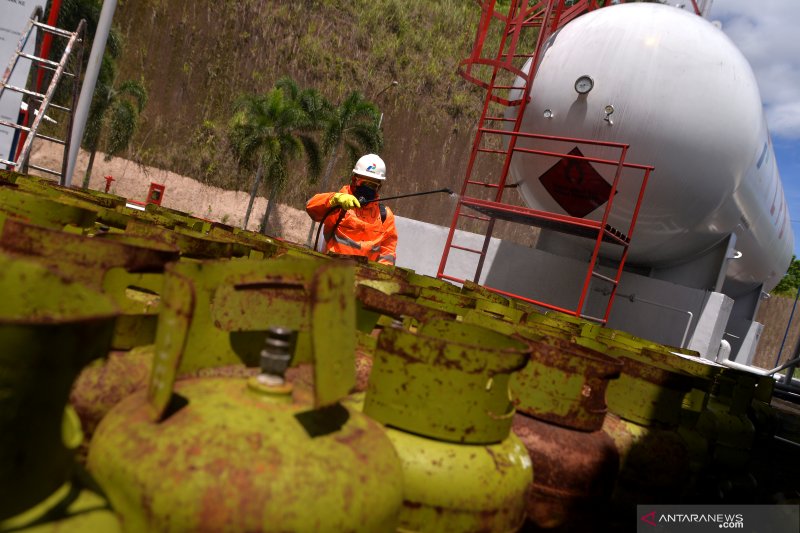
(360, 232)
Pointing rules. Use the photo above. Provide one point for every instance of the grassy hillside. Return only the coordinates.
(196, 57)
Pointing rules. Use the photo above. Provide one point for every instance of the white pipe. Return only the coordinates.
(89, 83)
(740, 366)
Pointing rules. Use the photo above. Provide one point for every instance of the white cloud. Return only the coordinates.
(784, 119)
(766, 33)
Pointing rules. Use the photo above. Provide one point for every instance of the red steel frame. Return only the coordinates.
(548, 16)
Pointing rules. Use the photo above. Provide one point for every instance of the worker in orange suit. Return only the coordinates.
(351, 228)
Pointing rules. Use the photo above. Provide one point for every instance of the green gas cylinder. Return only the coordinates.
(49, 329)
(129, 269)
(731, 427)
(645, 404)
(697, 422)
(551, 324)
(244, 456)
(421, 280)
(44, 211)
(250, 454)
(443, 393)
(451, 302)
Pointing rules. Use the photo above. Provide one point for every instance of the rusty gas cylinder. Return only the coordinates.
(731, 428)
(560, 399)
(247, 455)
(647, 400)
(697, 422)
(44, 211)
(551, 324)
(49, 329)
(443, 392)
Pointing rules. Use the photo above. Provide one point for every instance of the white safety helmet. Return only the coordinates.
(371, 166)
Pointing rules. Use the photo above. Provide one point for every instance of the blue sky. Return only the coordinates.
(766, 31)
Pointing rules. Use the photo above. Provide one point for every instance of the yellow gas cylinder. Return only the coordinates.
(732, 429)
(49, 329)
(246, 455)
(695, 416)
(443, 393)
(645, 404)
(249, 454)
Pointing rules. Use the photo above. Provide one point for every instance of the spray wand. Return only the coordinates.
(364, 202)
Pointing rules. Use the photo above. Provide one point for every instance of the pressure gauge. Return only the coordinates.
(584, 84)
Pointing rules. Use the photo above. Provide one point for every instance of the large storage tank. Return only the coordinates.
(686, 101)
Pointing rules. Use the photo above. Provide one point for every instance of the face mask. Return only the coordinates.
(367, 193)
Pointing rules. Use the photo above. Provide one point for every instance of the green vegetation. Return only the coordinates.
(791, 281)
(113, 116)
(355, 125)
(268, 131)
(198, 57)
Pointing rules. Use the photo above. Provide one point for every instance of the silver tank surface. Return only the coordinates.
(686, 101)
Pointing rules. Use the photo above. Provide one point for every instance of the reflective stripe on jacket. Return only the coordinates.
(360, 232)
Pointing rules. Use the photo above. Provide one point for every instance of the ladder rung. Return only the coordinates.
(594, 319)
(43, 169)
(7, 162)
(56, 106)
(61, 107)
(51, 139)
(52, 29)
(38, 59)
(23, 91)
(479, 252)
(501, 119)
(451, 278)
(63, 72)
(13, 125)
(604, 278)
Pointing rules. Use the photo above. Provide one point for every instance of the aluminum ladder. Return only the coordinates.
(75, 42)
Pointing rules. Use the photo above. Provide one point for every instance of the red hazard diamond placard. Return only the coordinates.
(576, 186)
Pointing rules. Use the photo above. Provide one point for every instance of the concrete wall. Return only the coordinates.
(654, 309)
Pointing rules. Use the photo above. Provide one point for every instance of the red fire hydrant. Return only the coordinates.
(109, 179)
(155, 194)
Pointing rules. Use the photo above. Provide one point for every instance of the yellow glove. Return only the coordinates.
(344, 200)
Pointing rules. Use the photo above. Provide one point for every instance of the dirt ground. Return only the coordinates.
(182, 193)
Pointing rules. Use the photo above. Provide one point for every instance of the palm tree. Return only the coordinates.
(354, 124)
(268, 131)
(114, 112)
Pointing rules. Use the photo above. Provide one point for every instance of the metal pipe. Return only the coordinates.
(787, 379)
(787, 364)
(89, 83)
(634, 298)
